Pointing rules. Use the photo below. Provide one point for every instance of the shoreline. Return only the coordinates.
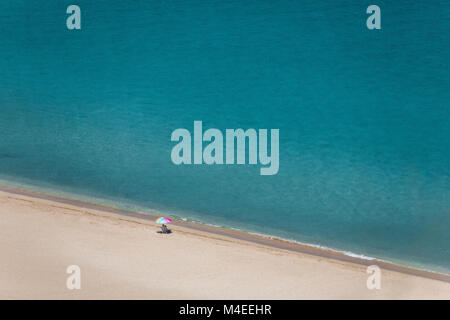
(262, 240)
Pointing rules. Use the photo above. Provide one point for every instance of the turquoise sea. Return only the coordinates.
(364, 115)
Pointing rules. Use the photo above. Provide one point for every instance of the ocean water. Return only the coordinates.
(364, 115)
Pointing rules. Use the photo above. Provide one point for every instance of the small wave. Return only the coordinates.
(272, 237)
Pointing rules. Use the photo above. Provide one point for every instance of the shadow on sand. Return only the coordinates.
(167, 232)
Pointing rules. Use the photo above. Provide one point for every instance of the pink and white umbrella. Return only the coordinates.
(163, 220)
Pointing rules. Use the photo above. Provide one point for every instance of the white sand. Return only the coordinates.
(124, 258)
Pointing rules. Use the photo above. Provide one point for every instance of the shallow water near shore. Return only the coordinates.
(363, 115)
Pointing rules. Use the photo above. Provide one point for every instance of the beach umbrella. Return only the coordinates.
(162, 220)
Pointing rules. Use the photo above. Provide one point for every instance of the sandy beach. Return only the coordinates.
(123, 257)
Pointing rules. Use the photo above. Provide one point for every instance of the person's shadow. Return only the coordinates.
(167, 232)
